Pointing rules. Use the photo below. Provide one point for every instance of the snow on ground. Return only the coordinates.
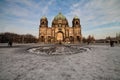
(97, 63)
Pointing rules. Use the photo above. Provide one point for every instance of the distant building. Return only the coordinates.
(60, 31)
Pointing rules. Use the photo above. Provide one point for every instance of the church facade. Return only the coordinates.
(60, 31)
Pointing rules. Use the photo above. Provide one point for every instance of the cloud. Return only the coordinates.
(46, 8)
(94, 14)
(24, 15)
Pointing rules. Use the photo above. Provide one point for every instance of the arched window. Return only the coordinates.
(71, 39)
(78, 38)
(77, 22)
(43, 22)
(59, 25)
(49, 38)
(42, 39)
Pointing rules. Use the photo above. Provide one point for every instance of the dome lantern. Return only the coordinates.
(60, 16)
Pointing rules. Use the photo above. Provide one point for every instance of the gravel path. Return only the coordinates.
(97, 63)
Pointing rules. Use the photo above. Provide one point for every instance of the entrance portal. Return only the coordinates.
(59, 36)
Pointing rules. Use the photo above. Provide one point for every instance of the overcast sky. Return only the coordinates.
(100, 18)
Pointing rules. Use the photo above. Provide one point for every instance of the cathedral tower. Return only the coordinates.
(43, 22)
(77, 29)
(43, 29)
(76, 22)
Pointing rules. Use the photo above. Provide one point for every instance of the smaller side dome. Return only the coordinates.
(76, 17)
(44, 17)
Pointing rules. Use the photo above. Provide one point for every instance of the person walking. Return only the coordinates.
(111, 43)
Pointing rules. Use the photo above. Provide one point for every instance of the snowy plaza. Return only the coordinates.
(59, 62)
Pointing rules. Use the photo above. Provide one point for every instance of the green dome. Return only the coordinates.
(60, 16)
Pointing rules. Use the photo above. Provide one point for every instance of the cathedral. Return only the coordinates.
(60, 31)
